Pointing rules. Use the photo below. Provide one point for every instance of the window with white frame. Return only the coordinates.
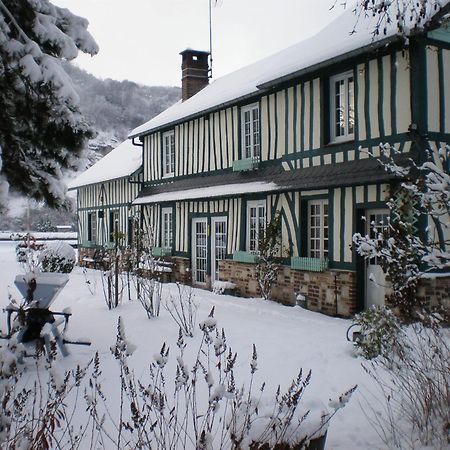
(318, 229)
(250, 131)
(256, 221)
(166, 229)
(342, 111)
(168, 154)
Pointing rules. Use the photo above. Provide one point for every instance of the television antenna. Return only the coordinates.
(216, 2)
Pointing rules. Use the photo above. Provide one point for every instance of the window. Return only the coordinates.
(166, 229)
(318, 229)
(92, 227)
(113, 224)
(250, 132)
(256, 221)
(342, 109)
(168, 154)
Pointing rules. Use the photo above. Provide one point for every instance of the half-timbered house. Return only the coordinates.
(105, 193)
(291, 133)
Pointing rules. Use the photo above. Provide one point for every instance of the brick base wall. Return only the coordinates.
(332, 293)
(435, 292)
(181, 269)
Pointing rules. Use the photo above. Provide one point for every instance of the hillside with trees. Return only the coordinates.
(114, 107)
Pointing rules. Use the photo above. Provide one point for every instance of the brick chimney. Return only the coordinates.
(194, 69)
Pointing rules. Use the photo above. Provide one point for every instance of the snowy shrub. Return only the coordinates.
(113, 283)
(269, 250)
(35, 411)
(206, 407)
(45, 225)
(183, 308)
(405, 251)
(413, 381)
(117, 276)
(149, 293)
(27, 251)
(185, 404)
(58, 256)
(379, 330)
(220, 287)
(142, 269)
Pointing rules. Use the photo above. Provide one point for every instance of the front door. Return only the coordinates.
(375, 277)
(199, 250)
(218, 244)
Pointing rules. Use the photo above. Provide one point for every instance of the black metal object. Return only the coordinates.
(35, 319)
(31, 322)
(357, 336)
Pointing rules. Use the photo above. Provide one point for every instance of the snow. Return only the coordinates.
(39, 235)
(335, 40)
(209, 192)
(286, 339)
(123, 161)
(219, 287)
(59, 249)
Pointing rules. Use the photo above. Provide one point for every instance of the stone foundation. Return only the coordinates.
(435, 292)
(181, 269)
(330, 292)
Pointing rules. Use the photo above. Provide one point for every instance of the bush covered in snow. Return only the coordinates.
(195, 403)
(413, 380)
(403, 249)
(58, 256)
(206, 407)
(379, 329)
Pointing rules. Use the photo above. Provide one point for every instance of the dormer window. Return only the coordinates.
(342, 107)
(250, 131)
(168, 154)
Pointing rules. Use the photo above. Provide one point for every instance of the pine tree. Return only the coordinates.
(41, 128)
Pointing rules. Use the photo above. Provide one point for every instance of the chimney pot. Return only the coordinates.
(195, 72)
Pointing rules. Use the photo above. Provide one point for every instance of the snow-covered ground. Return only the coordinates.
(287, 339)
(39, 235)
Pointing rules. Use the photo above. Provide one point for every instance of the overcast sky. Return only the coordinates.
(140, 40)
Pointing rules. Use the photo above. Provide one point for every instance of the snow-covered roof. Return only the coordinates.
(120, 162)
(269, 179)
(335, 40)
(209, 192)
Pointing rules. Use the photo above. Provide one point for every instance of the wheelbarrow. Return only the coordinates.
(34, 321)
(357, 335)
